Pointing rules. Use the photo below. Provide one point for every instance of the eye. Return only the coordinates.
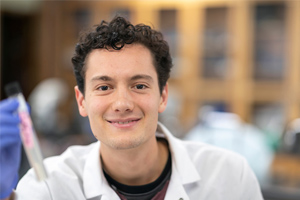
(140, 86)
(103, 88)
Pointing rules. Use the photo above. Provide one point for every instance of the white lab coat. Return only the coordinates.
(199, 172)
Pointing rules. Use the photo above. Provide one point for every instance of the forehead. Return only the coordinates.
(134, 59)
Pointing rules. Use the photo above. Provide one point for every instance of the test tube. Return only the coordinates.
(27, 132)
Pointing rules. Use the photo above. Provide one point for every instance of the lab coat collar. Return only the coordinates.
(181, 162)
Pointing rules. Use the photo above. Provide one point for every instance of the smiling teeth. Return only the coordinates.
(123, 122)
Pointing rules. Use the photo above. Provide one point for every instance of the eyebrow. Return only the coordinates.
(141, 76)
(101, 78)
(134, 78)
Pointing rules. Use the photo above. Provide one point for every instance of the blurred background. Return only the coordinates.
(235, 82)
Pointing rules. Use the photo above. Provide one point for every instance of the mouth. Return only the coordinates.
(122, 123)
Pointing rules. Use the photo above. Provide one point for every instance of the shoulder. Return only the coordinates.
(74, 157)
(28, 186)
(64, 171)
(216, 173)
(222, 172)
(222, 163)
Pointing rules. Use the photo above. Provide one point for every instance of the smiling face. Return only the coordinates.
(122, 97)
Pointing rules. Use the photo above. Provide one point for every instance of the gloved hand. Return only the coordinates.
(10, 146)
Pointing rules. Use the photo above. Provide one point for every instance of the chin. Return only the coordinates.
(125, 143)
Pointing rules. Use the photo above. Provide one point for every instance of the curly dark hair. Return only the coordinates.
(116, 34)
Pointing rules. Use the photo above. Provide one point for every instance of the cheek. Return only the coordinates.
(96, 106)
(96, 111)
(150, 105)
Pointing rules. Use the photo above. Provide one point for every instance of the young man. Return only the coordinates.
(122, 72)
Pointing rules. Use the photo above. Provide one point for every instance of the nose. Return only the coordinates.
(123, 101)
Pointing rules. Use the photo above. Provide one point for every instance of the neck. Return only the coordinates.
(137, 166)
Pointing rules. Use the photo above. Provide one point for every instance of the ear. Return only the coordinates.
(163, 99)
(80, 102)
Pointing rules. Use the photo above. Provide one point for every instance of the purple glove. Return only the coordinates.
(10, 146)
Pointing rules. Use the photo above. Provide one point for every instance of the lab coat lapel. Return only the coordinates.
(94, 182)
(180, 158)
(183, 169)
